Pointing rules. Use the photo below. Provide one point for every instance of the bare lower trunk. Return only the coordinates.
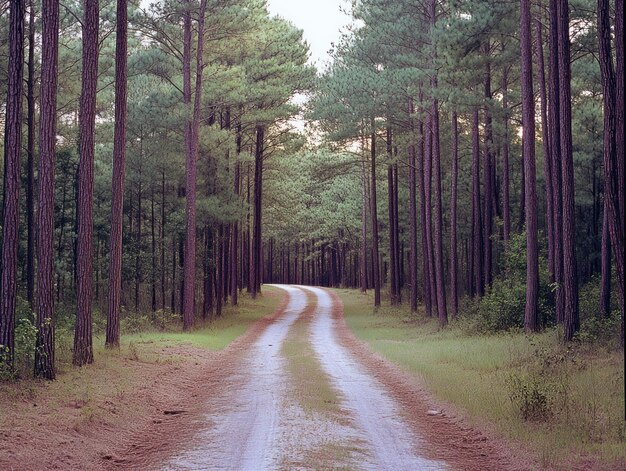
(571, 321)
(374, 214)
(412, 215)
(454, 293)
(117, 184)
(44, 306)
(531, 321)
(83, 342)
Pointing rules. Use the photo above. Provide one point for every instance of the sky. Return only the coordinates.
(321, 21)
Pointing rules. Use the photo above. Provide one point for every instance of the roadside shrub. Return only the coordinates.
(532, 396)
(502, 307)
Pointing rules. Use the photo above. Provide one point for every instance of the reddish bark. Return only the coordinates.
(83, 342)
(571, 319)
(438, 234)
(619, 105)
(374, 214)
(545, 141)
(454, 176)
(619, 122)
(506, 173)
(531, 321)
(476, 259)
(191, 174)
(426, 274)
(393, 249)
(257, 246)
(44, 307)
(554, 120)
(364, 201)
(610, 159)
(234, 238)
(428, 228)
(30, 166)
(12, 153)
(117, 184)
(412, 215)
(189, 272)
(488, 180)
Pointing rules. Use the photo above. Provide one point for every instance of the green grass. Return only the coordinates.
(582, 386)
(219, 333)
(312, 387)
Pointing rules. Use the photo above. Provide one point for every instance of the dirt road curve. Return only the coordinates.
(261, 427)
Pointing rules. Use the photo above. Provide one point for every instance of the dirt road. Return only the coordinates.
(300, 392)
(304, 395)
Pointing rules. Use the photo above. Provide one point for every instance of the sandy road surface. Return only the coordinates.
(258, 427)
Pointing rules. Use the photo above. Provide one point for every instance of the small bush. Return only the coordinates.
(532, 396)
(502, 307)
(25, 340)
(135, 323)
(600, 330)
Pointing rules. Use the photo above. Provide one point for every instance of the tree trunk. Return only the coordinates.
(531, 321)
(44, 306)
(478, 287)
(554, 122)
(610, 159)
(426, 256)
(139, 235)
(619, 122)
(374, 214)
(393, 250)
(234, 238)
(454, 292)
(219, 273)
(12, 153)
(365, 198)
(428, 178)
(153, 274)
(412, 213)
(30, 172)
(83, 342)
(191, 175)
(163, 270)
(117, 184)
(488, 183)
(506, 172)
(438, 235)
(545, 140)
(619, 108)
(255, 269)
(570, 279)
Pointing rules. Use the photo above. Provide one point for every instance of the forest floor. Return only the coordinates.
(297, 390)
(573, 395)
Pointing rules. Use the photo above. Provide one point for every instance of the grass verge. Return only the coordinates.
(218, 333)
(565, 402)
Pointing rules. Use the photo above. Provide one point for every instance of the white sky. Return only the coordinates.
(321, 21)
